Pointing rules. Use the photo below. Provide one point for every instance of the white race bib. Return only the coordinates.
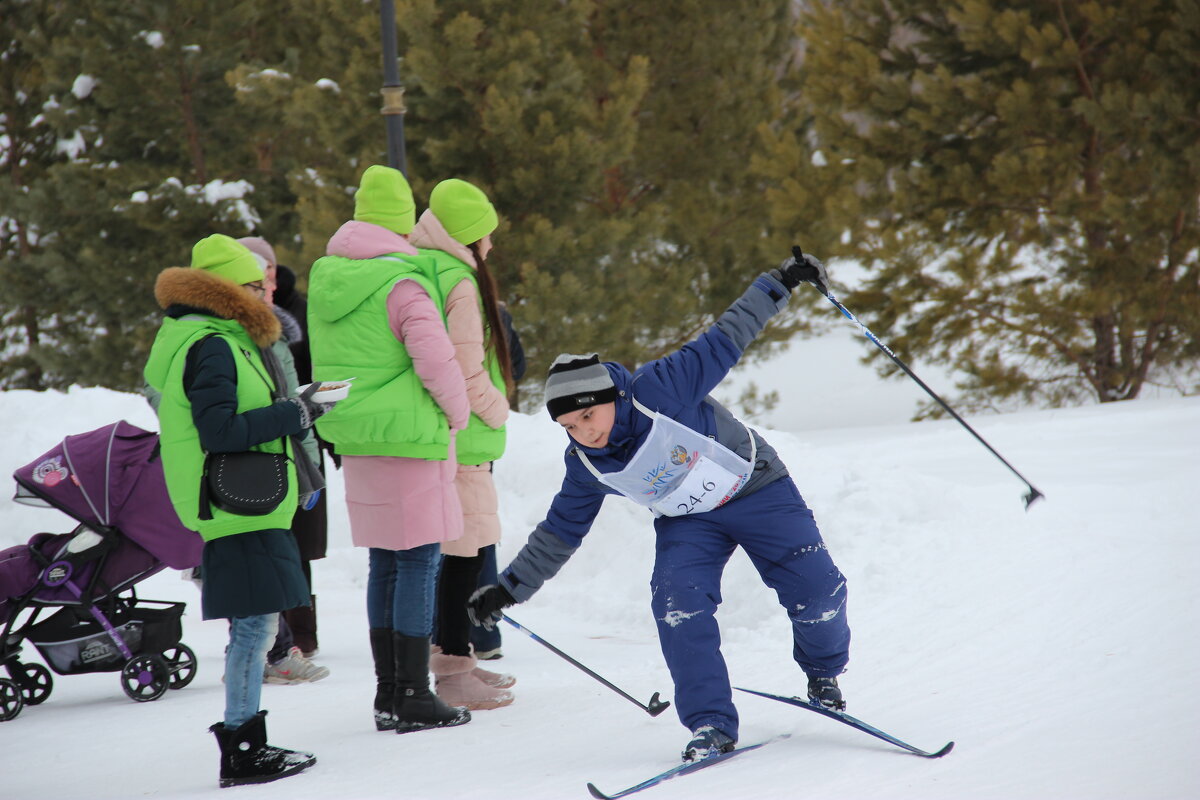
(678, 471)
(707, 485)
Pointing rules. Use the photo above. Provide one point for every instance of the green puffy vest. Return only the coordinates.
(182, 454)
(479, 443)
(389, 412)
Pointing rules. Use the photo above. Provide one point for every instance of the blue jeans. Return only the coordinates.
(400, 588)
(481, 638)
(249, 640)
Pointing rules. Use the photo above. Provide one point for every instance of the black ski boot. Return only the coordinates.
(707, 742)
(384, 653)
(416, 707)
(825, 692)
(247, 758)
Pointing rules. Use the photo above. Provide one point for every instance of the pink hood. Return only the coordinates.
(366, 240)
(430, 234)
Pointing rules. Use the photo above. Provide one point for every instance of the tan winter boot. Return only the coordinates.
(497, 680)
(457, 684)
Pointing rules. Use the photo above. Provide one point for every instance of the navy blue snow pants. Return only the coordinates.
(779, 534)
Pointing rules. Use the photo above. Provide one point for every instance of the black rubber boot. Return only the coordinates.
(384, 653)
(247, 758)
(416, 707)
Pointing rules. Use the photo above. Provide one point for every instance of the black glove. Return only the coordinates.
(485, 605)
(801, 268)
(310, 410)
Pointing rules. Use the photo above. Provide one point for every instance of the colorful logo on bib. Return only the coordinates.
(659, 479)
(679, 455)
(50, 472)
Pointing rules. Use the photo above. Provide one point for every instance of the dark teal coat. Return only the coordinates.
(255, 572)
(252, 573)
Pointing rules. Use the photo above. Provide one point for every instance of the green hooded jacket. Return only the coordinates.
(182, 454)
(389, 412)
(478, 443)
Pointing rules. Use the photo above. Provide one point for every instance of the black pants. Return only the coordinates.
(456, 583)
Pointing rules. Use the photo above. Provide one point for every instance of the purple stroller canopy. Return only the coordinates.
(113, 476)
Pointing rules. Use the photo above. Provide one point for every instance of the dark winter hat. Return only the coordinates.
(285, 282)
(576, 382)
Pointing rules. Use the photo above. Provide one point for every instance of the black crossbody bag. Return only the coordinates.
(250, 483)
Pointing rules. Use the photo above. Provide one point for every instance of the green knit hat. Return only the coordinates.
(385, 198)
(464, 211)
(224, 257)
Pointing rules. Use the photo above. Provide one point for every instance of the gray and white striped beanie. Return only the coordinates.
(576, 382)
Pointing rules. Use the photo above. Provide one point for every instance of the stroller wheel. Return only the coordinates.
(145, 678)
(34, 680)
(10, 699)
(181, 663)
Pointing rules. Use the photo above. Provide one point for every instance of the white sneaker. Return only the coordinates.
(295, 668)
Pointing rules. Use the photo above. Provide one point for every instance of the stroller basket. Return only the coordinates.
(72, 642)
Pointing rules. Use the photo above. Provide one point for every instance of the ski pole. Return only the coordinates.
(655, 706)
(1033, 494)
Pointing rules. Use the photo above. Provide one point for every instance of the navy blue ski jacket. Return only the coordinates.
(677, 386)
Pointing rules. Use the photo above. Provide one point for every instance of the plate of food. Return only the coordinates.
(328, 391)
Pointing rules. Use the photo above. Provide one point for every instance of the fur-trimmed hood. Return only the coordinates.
(198, 289)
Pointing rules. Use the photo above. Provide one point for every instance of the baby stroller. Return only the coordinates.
(75, 590)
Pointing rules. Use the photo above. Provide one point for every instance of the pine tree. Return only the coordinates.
(29, 147)
(180, 123)
(614, 141)
(312, 103)
(165, 163)
(1021, 180)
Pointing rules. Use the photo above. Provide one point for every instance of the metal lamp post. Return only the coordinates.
(392, 91)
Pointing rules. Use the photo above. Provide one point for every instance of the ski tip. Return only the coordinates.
(943, 751)
(596, 793)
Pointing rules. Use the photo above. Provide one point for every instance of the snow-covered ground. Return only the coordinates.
(1058, 647)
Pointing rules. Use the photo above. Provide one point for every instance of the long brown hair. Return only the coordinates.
(495, 336)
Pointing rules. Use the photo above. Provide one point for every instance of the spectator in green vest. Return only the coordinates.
(219, 392)
(375, 314)
(456, 231)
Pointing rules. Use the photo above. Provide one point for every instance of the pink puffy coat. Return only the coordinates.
(476, 489)
(401, 503)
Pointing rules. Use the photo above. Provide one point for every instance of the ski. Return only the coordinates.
(853, 722)
(681, 769)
